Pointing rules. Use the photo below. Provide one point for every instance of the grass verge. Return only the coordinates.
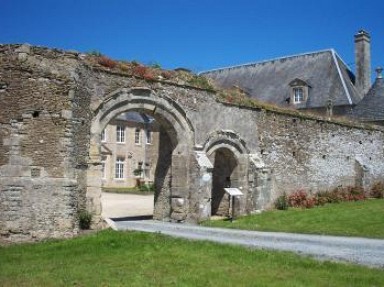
(129, 190)
(360, 218)
(112, 258)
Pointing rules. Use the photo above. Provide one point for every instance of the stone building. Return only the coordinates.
(129, 148)
(319, 81)
(55, 105)
(371, 108)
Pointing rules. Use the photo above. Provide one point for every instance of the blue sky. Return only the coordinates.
(198, 34)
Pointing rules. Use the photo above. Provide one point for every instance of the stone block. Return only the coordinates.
(178, 204)
(178, 216)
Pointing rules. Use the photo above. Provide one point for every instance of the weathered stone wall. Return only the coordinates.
(316, 155)
(38, 194)
(50, 165)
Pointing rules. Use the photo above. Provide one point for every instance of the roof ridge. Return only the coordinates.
(334, 56)
(330, 50)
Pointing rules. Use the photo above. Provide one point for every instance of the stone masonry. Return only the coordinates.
(54, 106)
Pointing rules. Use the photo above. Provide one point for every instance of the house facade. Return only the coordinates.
(129, 147)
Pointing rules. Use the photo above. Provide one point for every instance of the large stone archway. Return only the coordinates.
(176, 143)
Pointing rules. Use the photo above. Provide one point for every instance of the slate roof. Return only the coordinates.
(135, 117)
(371, 108)
(324, 71)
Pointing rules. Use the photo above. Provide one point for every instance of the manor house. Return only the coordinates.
(320, 82)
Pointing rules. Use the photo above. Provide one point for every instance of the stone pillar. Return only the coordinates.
(363, 61)
(200, 187)
(180, 187)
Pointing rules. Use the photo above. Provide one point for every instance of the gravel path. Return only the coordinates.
(369, 252)
(125, 205)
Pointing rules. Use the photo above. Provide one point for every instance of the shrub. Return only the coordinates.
(85, 219)
(301, 199)
(321, 199)
(147, 187)
(140, 71)
(135, 63)
(123, 67)
(297, 198)
(377, 190)
(149, 76)
(200, 82)
(166, 74)
(355, 193)
(340, 194)
(281, 202)
(155, 65)
(94, 53)
(137, 171)
(107, 62)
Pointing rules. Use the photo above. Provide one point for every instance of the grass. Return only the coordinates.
(130, 190)
(360, 218)
(112, 258)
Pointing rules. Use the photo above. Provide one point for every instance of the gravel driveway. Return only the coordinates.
(369, 252)
(116, 205)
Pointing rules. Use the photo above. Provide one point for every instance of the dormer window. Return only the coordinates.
(299, 92)
(298, 95)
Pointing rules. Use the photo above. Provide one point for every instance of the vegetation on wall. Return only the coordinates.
(85, 219)
(230, 96)
(152, 72)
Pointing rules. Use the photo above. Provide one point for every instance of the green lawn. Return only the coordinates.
(144, 190)
(112, 258)
(360, 218)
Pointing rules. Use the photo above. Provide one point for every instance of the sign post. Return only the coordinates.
(233, 193)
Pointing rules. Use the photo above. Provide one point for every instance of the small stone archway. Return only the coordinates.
(176, 143)
(230, 156)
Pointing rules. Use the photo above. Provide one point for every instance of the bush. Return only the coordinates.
(107, 62)
(94, 53)
(140, 71)
(85, 219)
(281, 202)
(377, 190)
(301, 199)
(166, 74)
(137, 172)
(147, 187)
(297, 198)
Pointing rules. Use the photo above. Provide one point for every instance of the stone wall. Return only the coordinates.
(38, 195)
(54, 106)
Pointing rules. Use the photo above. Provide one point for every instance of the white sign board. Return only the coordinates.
(232, 191)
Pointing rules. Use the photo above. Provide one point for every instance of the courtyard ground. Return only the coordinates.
(115, 205)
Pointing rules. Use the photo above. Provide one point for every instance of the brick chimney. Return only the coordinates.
(363, 61)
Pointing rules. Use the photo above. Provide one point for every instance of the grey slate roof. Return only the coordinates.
(324, 71)
(135, 117)
(371, 108)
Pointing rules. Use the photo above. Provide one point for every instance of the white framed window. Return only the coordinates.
(103, 136)
(298, 95)
(119, 168)
(120, 134)
(137, 136)
(148, 136)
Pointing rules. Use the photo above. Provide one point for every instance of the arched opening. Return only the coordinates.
(225, 174)
(158, 166)
(131, 144)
